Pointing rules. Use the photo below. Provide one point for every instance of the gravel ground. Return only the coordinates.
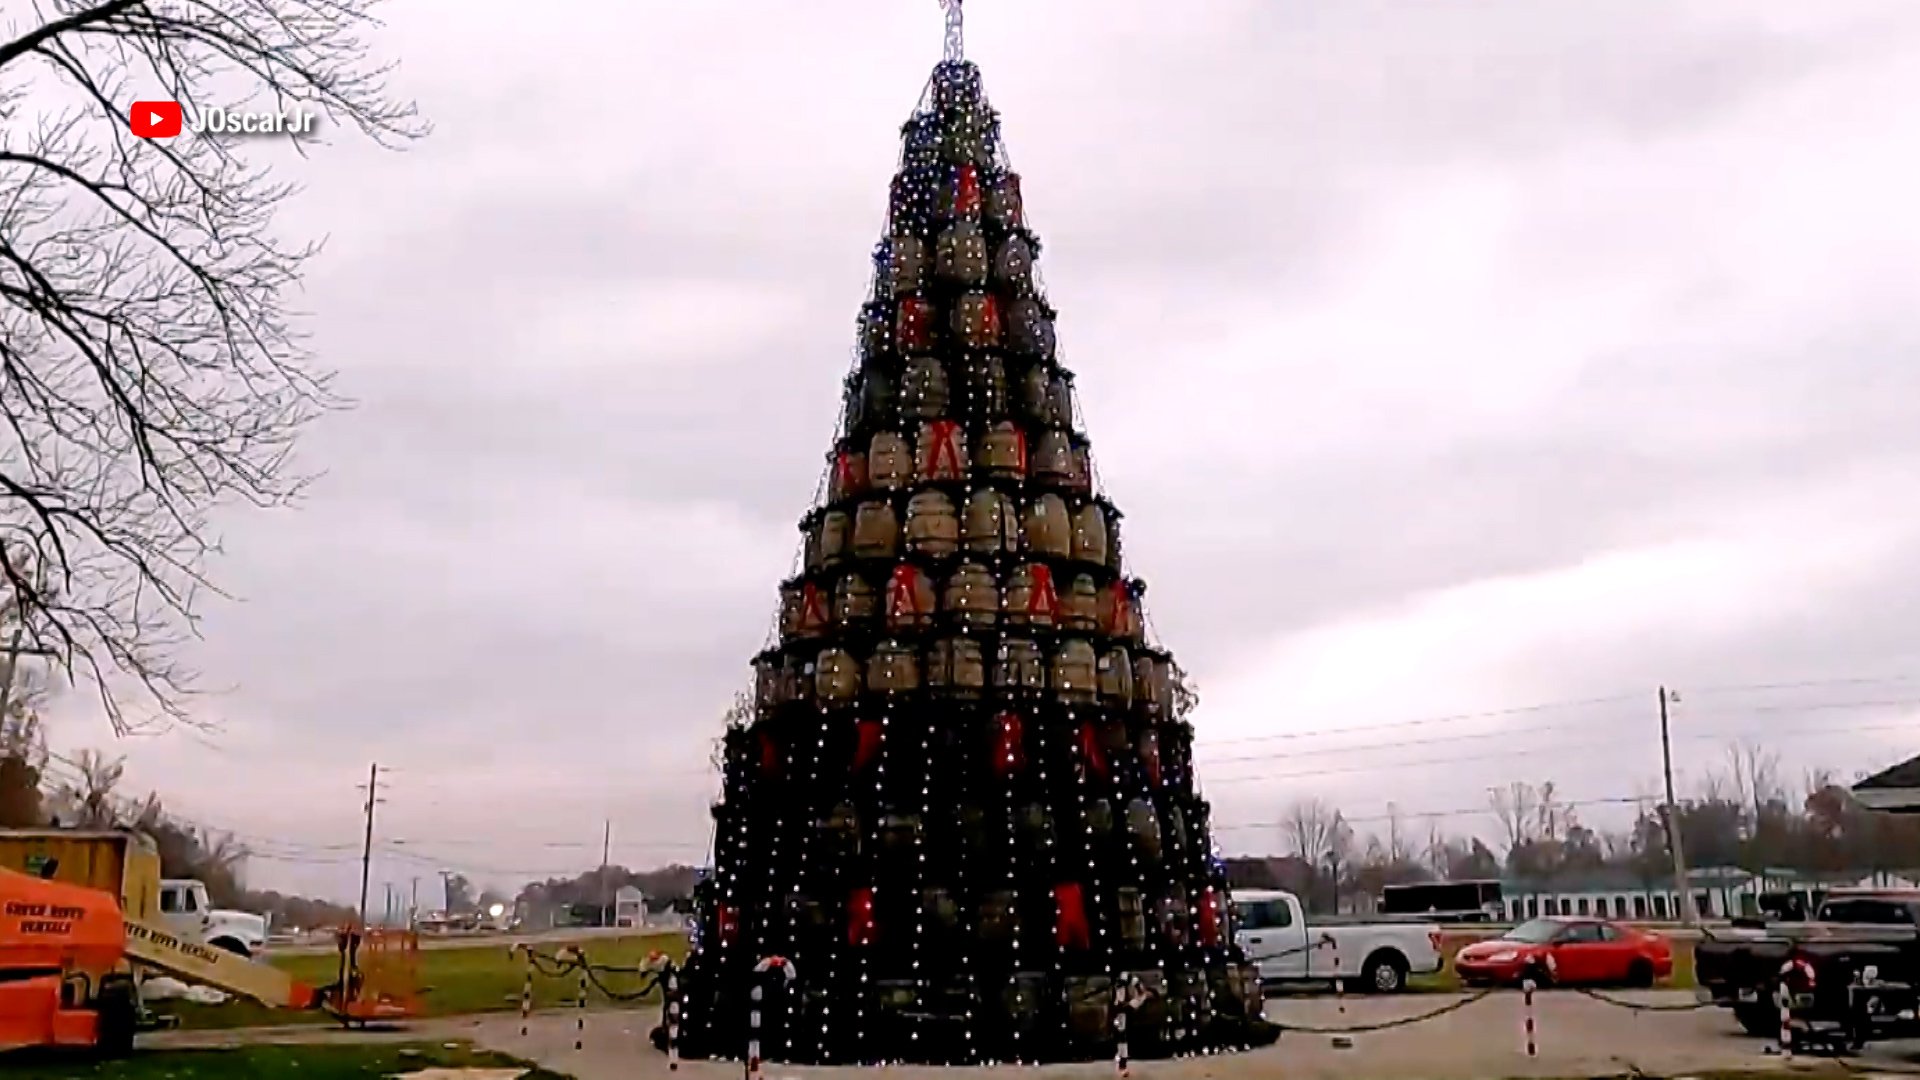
(1577, 1036)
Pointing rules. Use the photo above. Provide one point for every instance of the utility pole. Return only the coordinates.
(15, 610)
(366, 851)
(413, 909)
(606, 883)
(1671, 817)
(366, 870)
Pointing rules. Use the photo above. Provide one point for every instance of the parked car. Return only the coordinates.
(1288, 947)
(1862, 949)
(1568, 952)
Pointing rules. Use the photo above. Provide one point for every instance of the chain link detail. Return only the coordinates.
(956, 30)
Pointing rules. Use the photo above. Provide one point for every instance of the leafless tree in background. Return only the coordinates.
(1308, 828)
(150, 370)
(1517, 807)
(1319, 835)
(91, 799)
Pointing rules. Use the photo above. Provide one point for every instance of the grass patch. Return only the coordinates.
(456, 981)
(308, 1062)
(1445, 981)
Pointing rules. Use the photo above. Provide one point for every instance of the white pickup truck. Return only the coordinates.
(1273, 931)
(188, 913)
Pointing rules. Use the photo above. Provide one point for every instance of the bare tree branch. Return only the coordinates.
(151, 368)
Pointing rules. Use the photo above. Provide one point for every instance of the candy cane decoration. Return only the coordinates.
(1785, 1044)
(669, 980)
(672, 994)
(1339, 984)
(771, 963)
(1123, 1001)
(580, 1004)
(526, 987)
(1796, 965)
(1526, 1000)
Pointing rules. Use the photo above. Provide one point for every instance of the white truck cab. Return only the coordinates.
(192, 917)
(1274, 932)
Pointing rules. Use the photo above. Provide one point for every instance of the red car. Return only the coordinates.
(1567, 951)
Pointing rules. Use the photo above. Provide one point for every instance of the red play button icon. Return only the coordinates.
(155, 119)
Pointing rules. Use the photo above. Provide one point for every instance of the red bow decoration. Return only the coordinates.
(851, 480)
(1094, 759)
(966, 191)
(1009, 745)
(1070, 908)
(728, 918)
(769, 755)
(903, 592)
(1120, 617)
(1043, 600)
(1150, 757)
(860, 925)
(867, 738)
(943, 460)
(990, 325)
(813, 610)
(915, 325)
(1209, 917)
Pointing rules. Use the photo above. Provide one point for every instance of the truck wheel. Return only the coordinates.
(118, 1008)
(230, 945)
(1760, 1021)
(1384, 973)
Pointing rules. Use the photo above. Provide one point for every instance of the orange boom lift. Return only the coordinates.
(72, 953)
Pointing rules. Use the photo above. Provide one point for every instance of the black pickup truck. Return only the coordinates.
(1862, 948)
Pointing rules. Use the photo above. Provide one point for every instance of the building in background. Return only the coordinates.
(1895, 790)
(629, 907)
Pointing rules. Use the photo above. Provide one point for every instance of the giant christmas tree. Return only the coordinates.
(964, 809)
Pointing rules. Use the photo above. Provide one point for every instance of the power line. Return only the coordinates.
(1551, 748)
(1489, 714)
(1433, 741)
(1741, 688)
(1413, 815)
(1440, 740)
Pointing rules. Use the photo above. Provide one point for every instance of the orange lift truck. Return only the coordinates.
(80, 927)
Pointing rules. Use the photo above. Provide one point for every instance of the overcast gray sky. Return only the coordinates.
(1445, 358)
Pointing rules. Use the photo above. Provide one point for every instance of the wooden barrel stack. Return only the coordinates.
(964, 807)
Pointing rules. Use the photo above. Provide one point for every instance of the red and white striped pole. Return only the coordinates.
(526, 988)
(673, 1020)
(1339, 984)
(580, 1004)
(1526, 1003)
(771, 963)
(1785, 1044)
(1795, 965)
(753, 1034)
(669, 1003)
